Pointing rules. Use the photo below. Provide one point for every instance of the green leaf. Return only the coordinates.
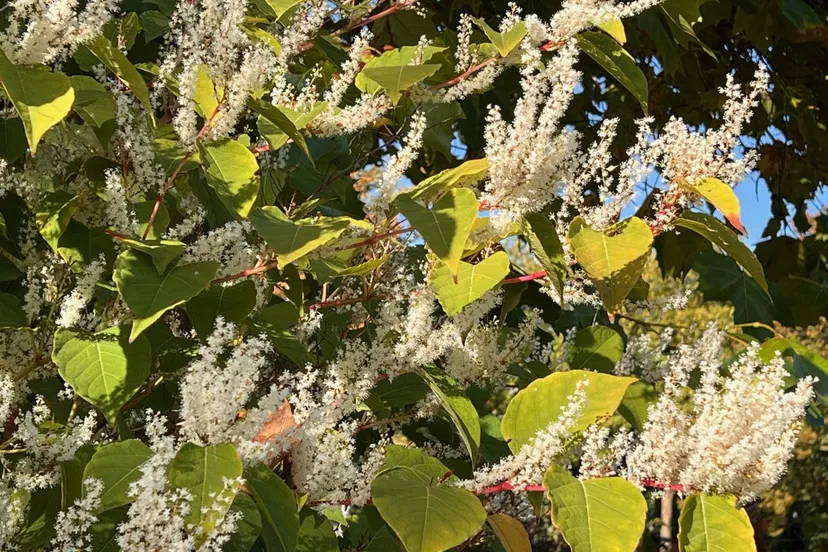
(806, 362)
(105, 368)
(721, 196)
(597, 348)
(547, 247)
(249, 526)
(202, 471)
(426, 517)
(117, 62)
(613, 259)
(40, 97)
(80, 245)
(280, 518)
(117, 465)
(205, 96)
(154, 24)
(721, 279)
(293, 240)
(279, 124)
(53, 215)
(472, 282)
(162, 252)
(13, 141)
(104, 532)
(596, 515)
(637, 400)
(723, 237)
(710, 523)
(233, 303)
(71, 476)
(618, 63)
(467, 174)
(93, 102)
(504, 42)
(459, 407)
(11, 313)
(316, 534)
(446, 226)
(149, 294)
(537, 406)
(282, 122)
(394, 71)
(231, 172)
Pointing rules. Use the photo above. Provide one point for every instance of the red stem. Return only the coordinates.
(171, 180)
(375, 239)
(463, 76)
(526, 278)
(244, 273)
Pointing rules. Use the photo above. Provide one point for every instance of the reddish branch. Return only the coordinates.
(526, 278)
(171, 180)
(374, 239)
(466, 74)
(244, 273)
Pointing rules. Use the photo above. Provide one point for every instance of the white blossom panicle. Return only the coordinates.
(336, 91)
(118, 212)
(133, 140)
(226, 245)
(529, 465)
(601, 455)
(644, 358)
(362, 114)
(578, 15)
(72, 305)
(72, 525)
(739, 434)
(463, 54)
(47, 31)
(211, 394)
(395, 170)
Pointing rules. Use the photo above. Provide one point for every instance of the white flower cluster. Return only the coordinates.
(133, 140)
(602, 456)
(739, 433)
(226, 245)
(72, 525)
(45, 31)
(529, 465)
(72, 305)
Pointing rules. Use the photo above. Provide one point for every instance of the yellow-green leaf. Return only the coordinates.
(723, 237)
(546, 245)
(471, 282)
(293, 240)
(721, 196)
(596, 515)
(467, 174)
(712, 523)
(53, 215)
(446, 226)
(615, 28)
(510, 532)
(40, 97)
(537, 406)
(504, 42)
(394, 71)
(285, 125)
(231, 172)
(613, 259)
(117, 62)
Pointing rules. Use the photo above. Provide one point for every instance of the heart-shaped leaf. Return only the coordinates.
(711, 523)
(540, 404)
(504, 42)
(293, 240)
(203, 471)
(425, 516)
(596, 515)
(613, 259)
(510, 532)
(105, 368)
(467, 174)
(472, 282)
(41, 98)
(233, 303)
(149, 294)
(162, 252)
(231, 172)
(117, 465)
(596, 348)
(446, 226)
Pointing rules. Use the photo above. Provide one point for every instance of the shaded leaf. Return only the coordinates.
(117, 465)
(618, 63)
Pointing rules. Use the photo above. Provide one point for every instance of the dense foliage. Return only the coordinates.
(310, 275)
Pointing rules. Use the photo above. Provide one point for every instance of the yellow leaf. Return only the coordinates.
(512, 534)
